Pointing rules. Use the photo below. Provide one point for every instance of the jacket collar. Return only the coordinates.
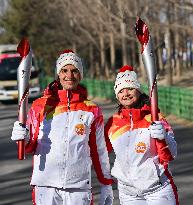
(136, 113)
(78, 95)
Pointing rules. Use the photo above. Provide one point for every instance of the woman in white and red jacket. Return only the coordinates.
(143, 148)
(66, 137)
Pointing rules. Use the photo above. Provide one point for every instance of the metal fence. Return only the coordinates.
(172, 100)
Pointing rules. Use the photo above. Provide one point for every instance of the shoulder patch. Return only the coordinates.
(89, 103)
(148, 118)
(117, 116)
(40, 100)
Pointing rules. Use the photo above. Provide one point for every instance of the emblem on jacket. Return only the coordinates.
(79, 129)
(140, 147)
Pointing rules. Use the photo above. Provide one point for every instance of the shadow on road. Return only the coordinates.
(15, 175)
(182, 166)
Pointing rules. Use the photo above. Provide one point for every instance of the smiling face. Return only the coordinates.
(128, 97)
(69, 77)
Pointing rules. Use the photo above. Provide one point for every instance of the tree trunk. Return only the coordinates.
(107, 74)
(159, 53)
(91, 60)
(97, 68)
(74, 47)
(123, 43)
(141, 66)
(102, 55)
(133, 53)
(169, 79)
(177, 46)
(112, 52)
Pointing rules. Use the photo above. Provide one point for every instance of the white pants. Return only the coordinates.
(54, 196)
(164, 196)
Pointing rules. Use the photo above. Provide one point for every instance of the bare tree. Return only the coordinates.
(102, 31)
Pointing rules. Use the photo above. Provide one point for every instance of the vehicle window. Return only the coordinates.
(9, 66)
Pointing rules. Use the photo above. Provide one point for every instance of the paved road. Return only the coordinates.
(15, 175)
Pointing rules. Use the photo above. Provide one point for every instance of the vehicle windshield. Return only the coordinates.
(8, 68)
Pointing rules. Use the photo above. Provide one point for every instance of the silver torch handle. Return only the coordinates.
(23, 77)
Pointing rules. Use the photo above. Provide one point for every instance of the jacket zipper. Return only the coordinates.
(131, 120)
(67, 140)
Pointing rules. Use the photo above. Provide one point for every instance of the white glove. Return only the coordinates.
(19, 132)
(157, 130)
(106, 196)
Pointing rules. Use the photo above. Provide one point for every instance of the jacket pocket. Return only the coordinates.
(145, 175)
(79, 171)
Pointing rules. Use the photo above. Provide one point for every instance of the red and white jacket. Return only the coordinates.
(141, 164)
(66, 136)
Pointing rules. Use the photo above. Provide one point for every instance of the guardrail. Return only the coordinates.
(172, 100)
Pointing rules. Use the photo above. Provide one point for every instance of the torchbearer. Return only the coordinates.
(141, 168)
(66, 136)
(23, 77)
(148, 57)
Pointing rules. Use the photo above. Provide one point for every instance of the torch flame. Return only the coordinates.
(23, 47)
(142, 33)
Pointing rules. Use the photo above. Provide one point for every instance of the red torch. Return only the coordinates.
(23, 77)
(148, 58)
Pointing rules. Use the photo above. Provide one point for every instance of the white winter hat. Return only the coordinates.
(126, 78)
(68, 57)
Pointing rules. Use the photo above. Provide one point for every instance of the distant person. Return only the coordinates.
(66, 131)
(184, 58)
(164, 56)
(143, 148)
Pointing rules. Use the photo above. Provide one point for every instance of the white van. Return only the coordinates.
(9, 63)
